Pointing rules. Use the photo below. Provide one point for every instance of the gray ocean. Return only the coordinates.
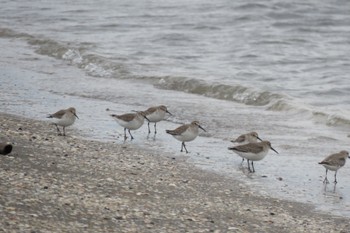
(280, 68)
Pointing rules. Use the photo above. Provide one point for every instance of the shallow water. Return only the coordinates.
(275, 68)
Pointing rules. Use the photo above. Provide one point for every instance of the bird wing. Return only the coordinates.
(126, 117)
(334, 160)
(250, 147)
(58, 114)
(150, 110)
(240, 139)
(178, 130)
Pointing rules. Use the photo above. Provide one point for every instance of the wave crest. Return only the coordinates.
(237, 93)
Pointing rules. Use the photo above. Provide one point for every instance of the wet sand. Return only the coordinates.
(51, 183)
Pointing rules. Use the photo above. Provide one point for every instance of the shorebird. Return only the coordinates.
(154, 115)
(333, 162)
(186, 133)
(246, 138)
(253, 151)
(64, 118)
(130, 121)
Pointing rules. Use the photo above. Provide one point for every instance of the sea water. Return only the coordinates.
(275, 67)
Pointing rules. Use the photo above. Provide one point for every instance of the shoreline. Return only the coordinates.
(68, 184)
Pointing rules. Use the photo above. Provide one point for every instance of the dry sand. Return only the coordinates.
(51, 183)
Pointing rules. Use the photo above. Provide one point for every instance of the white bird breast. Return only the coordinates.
(252, 156)
(156, 116)
(331, 167)
(188, 135)
(65, 121)
(136, 123)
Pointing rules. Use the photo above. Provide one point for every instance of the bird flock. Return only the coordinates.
(248, 147)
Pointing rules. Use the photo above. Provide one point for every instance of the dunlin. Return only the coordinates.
(186, 133)
(130, 121)
(247, 138)
(333, 162)
(64, 118)
(154, 115)
(253, 151)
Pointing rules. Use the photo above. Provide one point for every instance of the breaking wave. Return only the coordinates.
(99, 66)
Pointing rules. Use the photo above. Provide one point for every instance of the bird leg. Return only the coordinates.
(249, 166)
(149, 130)
(58, 130)
(253, 166)
(155, 128)
(64, 131)
(131, 135)
(325, 181)
(335, 177)
(183, 146)
(125, 137)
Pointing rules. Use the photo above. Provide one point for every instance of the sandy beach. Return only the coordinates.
(51, 183)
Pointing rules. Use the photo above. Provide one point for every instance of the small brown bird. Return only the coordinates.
(130, 121)
(186, 133)
(247, 138)
(154, 115)
(64, 118)
(254, 151)
(333, 162)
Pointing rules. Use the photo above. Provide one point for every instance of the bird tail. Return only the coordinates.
(170, 132)
(49, 116)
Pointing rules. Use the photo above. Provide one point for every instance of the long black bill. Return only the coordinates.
(169, 113)
(76, 115)
(202, 128)
(146, 118)
(142, 114)
(259, 138)
(273, 149)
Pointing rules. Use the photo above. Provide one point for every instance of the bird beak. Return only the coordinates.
(142, 114)
(76, 115)
(202, 128)
(274, 150)
(169, 113)
(259, 138)
(146, 118)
